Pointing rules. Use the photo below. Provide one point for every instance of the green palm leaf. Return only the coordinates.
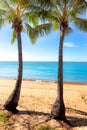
(81, 24)
(14, 37)
(39, 30)
(44, 29)
(68, 31)
(31, 33)
(55, 26)
(32, 17)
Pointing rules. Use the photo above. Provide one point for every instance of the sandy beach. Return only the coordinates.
(36, 100)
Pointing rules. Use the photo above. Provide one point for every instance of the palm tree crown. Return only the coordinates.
(64, 12)
(19, 15)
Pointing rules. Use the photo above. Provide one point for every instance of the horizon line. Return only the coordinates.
(37, 61)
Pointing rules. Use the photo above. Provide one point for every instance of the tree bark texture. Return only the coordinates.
(12, 101)
(58, 108)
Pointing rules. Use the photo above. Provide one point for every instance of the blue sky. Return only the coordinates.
(46, 48)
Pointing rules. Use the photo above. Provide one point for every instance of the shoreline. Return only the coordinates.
(49, 81)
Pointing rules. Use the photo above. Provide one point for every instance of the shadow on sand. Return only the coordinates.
(24, 112)
(75, 121)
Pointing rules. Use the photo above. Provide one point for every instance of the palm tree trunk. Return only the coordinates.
(58, 108)
(13, 99)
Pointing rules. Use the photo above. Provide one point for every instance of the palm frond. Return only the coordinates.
(81, 24)
(4, 4)
(7, 6)
(3, 17)
(8, 11)
(44, 29)
(58, 2)
(45, 3)
(31, 33)
(39, 30)
(14, 36)
(48, 15)
(21, 2)
(2, 22)
(55, 26)
(68, 31)
(49, 5)
(54, 16)
(2, 12)
(32, 17)
(82, 7)
(75, 8)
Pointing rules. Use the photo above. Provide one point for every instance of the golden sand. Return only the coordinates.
(37, 98)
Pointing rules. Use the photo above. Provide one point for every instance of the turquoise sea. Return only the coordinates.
(72, 71)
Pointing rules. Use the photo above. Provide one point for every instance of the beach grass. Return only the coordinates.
(3, 117)
(42, 127)
(5, 123)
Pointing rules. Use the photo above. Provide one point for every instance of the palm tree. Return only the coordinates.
(20, 14)
(61, 13)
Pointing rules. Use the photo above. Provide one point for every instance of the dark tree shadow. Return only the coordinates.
(77, 111)
(76, 121)
(26, 112)
(45, 116)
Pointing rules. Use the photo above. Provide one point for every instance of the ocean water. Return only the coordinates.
(72, 71)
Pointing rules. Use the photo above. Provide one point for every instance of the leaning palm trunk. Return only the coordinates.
(58, 109)
(13, 99)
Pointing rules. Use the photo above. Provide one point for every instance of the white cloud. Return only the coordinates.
(69, 44)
